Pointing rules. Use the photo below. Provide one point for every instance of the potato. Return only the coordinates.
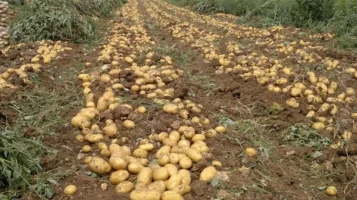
(118, 177)
(147, 147)
(198, 137)
(87, 159)
(161, 174)
(162, 136)
(146, 194)
(159, 186)
(141, 109)
(174, 181)
(251, 152)
(129, 124)
(185, 176)
(111, 130)
(182, 189)
(211, 133)
(102, 145)
(208, 174)
(86, 148)
(70, 190)
(172, 169)
(188, 132)
(118, 163)
(105, 153)
(163, 160)
(93, 138)
(171, 195)
(140, 153)
(331, 191)
(216, 163)
(174, 158)
(318, 125)
(170, 108)
(295, 91)
(185, 162)
(184, 143)
(145, 176)
(80, 121)
(169, 142)
(194, 155)
(162, 151)
(102, 104)
(174, 135)
(220, 129)
(135, 168)
(99, 166)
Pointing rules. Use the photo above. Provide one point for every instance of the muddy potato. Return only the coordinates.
(99, 165)
(87, 159)
(216, 163)
(135, 168)
(145, 176)
(171, 195)
(185, 176)
(118, 177)
(141, 194)
(185, 162)
(129, 124)
(211, 133)
(70, 190)
(161, 174)
(79, 138)
(208, 174)
(159, 186)
(331, 191)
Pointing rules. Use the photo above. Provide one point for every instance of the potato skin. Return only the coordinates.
(145, 194)
(185, 176)
(99, 166)
(171, 195)
(119, 176)
(161, 174)
(145, 176)
(208, 174)
(124, 187)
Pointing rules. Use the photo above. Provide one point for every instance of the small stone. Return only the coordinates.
(104, 186)
(290, 153)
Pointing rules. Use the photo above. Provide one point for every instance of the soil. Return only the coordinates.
(282, 170)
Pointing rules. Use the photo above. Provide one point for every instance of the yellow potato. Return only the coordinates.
(194, 155)
(159, 186)
(86, 148)
(118, 163)
(119, 176)
(174, 135)
(208, 174)
(211, 133)
(145, 176)
(145, 194)
(185, 176)
(220, 129)
(162, 151)
(129, 124)
(70, 189)
(171, 195)
(185, 162)
(172, 169)
(140, 153)
(174, 158)
(141, 109)
(331, 191)
(216, 163)
(163, 160)
(102, 145)
(251, 152)
(198, 137)
(174, 181)
(135, 168)
(111, 130)
(161, 174)
(99, 165)
(169, 142)
(105, 153)
(170, 108)
(147, 147)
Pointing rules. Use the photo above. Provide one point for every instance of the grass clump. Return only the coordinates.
(66, 20)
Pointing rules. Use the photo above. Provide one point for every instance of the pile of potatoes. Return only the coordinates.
(161, 163)
(48, 51)
(4, 27)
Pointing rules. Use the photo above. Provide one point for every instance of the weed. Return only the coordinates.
(303, 135)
